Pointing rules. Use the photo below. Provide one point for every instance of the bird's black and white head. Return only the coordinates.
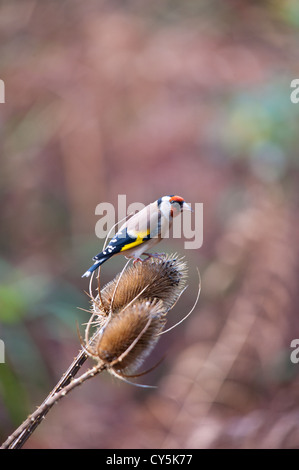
(171, 206)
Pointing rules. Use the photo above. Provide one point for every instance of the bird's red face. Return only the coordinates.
(178, 199)
(177, 205)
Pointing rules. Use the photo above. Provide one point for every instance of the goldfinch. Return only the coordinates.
(142, 231)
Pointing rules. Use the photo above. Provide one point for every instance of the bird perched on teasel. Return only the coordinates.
(142, 231)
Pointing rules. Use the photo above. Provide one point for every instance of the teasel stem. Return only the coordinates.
(19, 437)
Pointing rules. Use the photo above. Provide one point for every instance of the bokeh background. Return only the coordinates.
(146, 99)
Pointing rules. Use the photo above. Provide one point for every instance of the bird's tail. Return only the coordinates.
(96, 265)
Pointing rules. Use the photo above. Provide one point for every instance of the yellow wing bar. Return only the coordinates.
(140, 239)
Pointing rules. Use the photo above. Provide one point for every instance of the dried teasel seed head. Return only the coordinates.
(127, 338)
(163, 279)
(129, 313)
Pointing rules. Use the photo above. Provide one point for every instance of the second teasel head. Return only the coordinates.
(128, 337)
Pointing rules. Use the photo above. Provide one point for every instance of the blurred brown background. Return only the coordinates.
(147, 99)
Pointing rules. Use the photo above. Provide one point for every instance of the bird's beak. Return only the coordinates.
(186, 207)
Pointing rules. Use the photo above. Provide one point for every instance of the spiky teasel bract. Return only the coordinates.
(129, 313)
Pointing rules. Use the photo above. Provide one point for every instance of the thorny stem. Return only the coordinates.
(19, 437)
(23, 432)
